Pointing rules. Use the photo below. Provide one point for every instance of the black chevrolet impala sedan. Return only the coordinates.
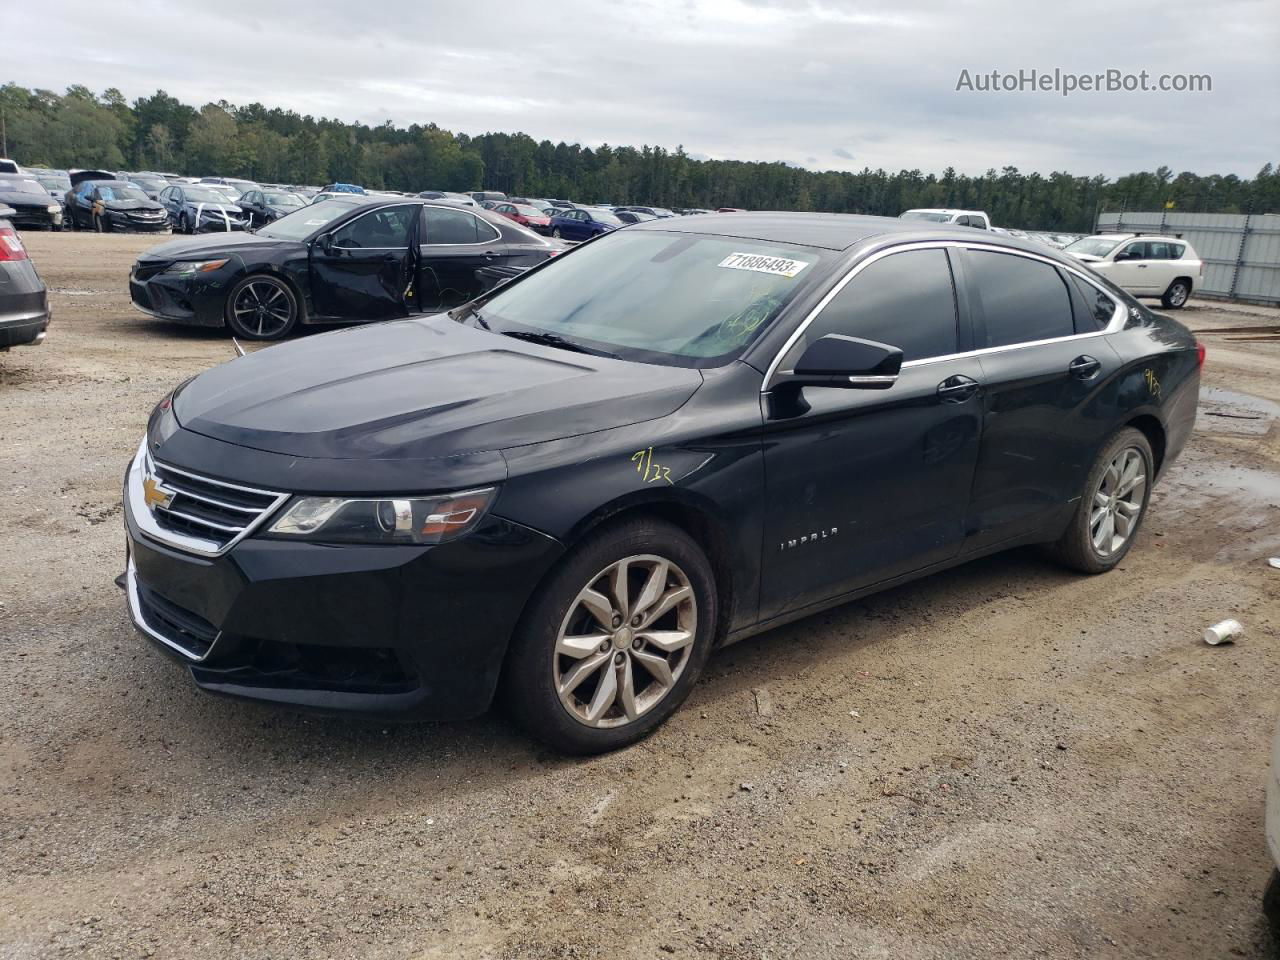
(351, 258)
(567, 492)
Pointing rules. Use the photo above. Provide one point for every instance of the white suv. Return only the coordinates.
(961, 218)
(1145, 266)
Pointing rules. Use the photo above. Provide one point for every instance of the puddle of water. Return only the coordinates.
(1226, 411)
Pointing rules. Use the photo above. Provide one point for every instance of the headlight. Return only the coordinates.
(188, 268)
(52, 209)
(390, 520)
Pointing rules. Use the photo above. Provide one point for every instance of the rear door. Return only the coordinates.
(365, 272)
(866, 485)
(453, 244)
(1044, 367)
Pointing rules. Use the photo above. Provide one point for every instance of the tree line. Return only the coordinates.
(82, 129)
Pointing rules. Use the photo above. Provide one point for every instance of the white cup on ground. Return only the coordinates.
(1223, 632)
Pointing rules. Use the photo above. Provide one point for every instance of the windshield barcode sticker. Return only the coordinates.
(778, 266)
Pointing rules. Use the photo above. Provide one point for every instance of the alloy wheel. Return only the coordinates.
(263, 308)
(1118, 501)
(1178, 294)
(625, 641)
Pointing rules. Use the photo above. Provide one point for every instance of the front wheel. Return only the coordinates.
(1112, 505)
(556, 233)
(614, 639)
(1176, 296)
(262, 307)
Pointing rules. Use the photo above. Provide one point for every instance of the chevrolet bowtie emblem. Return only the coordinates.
(155, 495)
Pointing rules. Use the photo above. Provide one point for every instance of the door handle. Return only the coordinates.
(1084, 368)
(1142, 266)
(958, 389)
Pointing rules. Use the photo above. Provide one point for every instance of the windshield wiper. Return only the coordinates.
(552, 340)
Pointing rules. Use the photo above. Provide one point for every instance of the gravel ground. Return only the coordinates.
(1006, 760)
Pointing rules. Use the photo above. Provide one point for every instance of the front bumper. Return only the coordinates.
(125, 223)
(416, 632)
(200, 301)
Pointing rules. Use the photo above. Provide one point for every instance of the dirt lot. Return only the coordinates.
(1002, 761)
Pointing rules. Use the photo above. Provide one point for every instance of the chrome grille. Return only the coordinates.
(194, 512)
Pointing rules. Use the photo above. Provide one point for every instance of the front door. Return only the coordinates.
(364, 272)
(1131, 270)
(1041, 428)
(866, 485)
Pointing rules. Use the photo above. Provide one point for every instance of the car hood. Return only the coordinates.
(17, 198)
(188, 248)
(421, 389)
(1085, 257)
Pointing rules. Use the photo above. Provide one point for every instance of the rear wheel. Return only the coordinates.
(262, 307)
(1176, 295)
(1112, 505)
(614, 640)
(556, 233)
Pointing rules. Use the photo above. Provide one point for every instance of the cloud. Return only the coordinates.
(842, 153)
(741, 79)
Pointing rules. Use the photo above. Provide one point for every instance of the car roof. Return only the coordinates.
(1133, 236)
(831, 231)
(942, 210)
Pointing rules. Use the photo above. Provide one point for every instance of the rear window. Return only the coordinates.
(1022, 300)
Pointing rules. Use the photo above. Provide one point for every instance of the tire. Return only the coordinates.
(1176, 296)
(1271, 903)
(1079, 548)
(535, 668)
(279, 313)
(556, 233)
(69, 220)
(184, 225)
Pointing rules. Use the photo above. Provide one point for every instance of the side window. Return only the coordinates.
(1176, 250)
(1098, 308)
(1157, 250)
(905, 300)
(486, 231)
(1134, 251)
(382, 229)
(1023, 300)
(979, 222)
(446, 226)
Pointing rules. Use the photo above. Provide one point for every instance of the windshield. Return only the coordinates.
(604, 216)
(925, 215)
(669, 298)
(55, 183)
(21, 185)
(303, 222)
(204, 195)
(1093, 246)
(527, 211)
(285, 200)
(121, 193)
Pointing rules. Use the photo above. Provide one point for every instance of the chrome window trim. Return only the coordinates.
(1116, 324)
(143, 517)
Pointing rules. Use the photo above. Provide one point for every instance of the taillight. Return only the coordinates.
(1199, 355)
(11, 247)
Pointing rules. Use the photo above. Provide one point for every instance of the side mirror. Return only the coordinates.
(325, 242)
(839, 361)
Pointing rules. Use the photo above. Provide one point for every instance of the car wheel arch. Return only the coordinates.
(699, 520)
(1150, 426)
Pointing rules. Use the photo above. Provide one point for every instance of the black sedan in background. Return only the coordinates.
(261, 207)
(569, 491)
(24, 302)
(199, 208)
(349, 258)
(33, 205)
(113, 205)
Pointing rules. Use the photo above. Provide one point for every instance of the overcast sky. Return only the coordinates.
(825, 85)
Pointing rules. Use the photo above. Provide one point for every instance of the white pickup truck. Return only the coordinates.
(1145, 266)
